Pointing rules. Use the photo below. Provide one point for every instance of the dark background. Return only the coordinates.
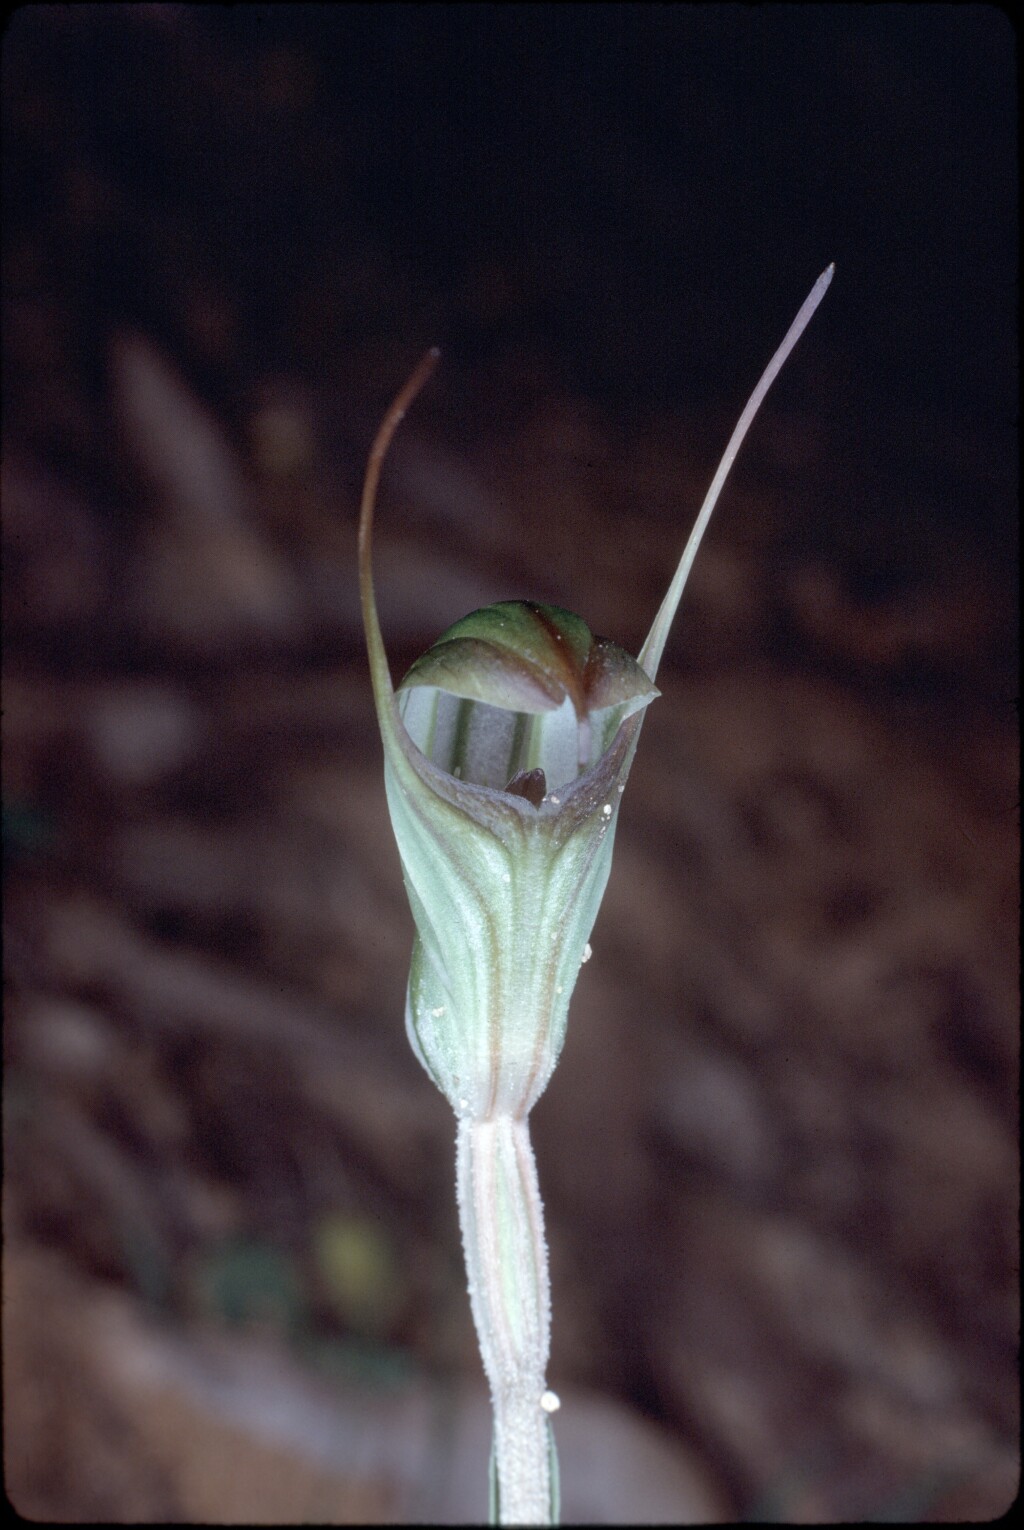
(607, 184)
(606, 217)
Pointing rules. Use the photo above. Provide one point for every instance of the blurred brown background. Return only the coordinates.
(779, 1154)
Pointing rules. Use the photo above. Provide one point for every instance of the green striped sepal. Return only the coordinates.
(504, 773)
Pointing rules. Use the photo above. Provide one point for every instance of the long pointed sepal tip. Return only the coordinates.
(650, 653)
(379, 672)
(822, 284)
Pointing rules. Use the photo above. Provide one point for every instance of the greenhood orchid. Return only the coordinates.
(506, 752)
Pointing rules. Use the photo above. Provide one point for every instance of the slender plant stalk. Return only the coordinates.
(502, 1221)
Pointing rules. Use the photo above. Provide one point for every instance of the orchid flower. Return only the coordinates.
(506, 752)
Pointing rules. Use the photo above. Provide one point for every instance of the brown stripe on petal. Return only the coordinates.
(479, 670)
(565, 650)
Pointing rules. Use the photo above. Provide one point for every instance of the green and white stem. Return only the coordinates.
(502, 1219)
(506, 752)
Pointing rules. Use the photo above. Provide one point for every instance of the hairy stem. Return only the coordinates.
(506, 1260)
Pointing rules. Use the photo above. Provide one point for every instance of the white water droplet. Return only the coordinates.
(588, 951)
(555, 800)
(607, 810)
(620, 789)
(558, 987)
(438, 1012)
(463, 1104)
(550, 1402)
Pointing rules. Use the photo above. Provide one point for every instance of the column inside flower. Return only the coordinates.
(490, 745)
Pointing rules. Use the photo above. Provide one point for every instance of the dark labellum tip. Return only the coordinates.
(530, 784)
